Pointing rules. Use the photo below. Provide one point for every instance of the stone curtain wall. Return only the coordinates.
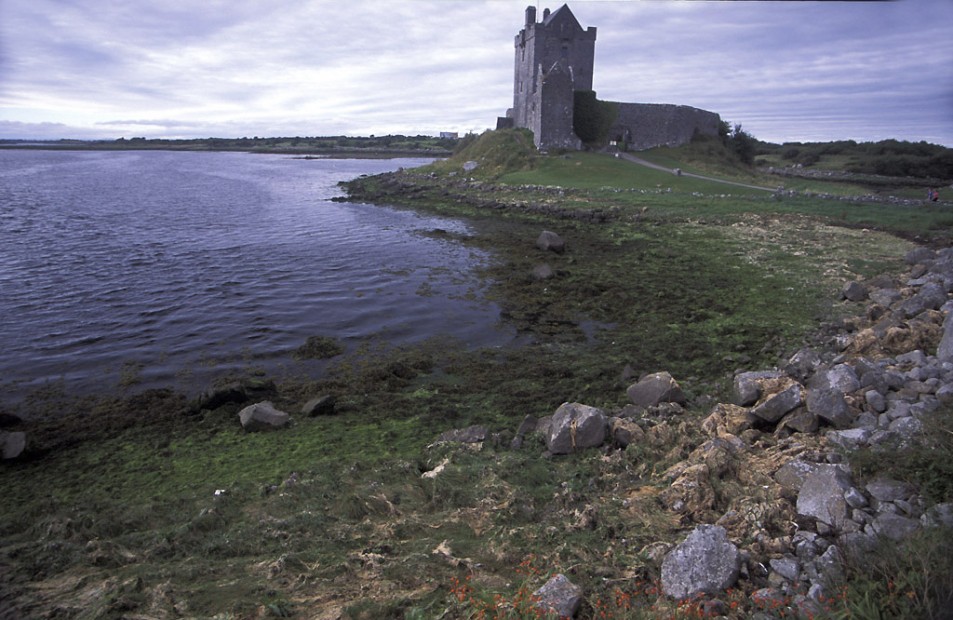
(647, 125)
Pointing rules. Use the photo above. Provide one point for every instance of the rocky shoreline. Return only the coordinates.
(769, 501)
(787, 440)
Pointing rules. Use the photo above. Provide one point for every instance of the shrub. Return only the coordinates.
(913, 579)
(591, 118)
(927, 463)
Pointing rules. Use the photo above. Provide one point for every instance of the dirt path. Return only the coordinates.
(648, 164)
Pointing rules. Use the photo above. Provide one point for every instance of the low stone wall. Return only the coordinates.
(647, 125)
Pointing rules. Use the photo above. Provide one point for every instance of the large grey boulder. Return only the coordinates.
(854, 291)
(559, 596)
(659, 387)
(263, 417)
(919, 255)
(747, 385)
(830, 405)
(895, 527)
(850, 439)
(822, 495)
(842, 378)
(803, 364)
(705, 562)
(887, 490)
(12, 445)
(776, 406)
(576, 426)
(792, 474)
(945, 351)
(885, 296)
(930, 297)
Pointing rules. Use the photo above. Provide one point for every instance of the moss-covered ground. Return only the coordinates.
(142, 507)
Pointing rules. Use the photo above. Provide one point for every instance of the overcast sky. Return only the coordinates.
(786, 71)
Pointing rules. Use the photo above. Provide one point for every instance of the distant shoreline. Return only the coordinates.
(325, 147)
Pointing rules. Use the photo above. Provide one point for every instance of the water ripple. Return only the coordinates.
(189, 264)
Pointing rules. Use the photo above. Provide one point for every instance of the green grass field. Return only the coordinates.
(158, 513)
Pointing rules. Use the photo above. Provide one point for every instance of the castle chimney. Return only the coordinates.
(530, 15)
(545, 14)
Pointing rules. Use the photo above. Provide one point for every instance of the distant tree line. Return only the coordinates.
(290, 143)
(893, 158)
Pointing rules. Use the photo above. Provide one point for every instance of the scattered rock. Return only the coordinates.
(822, 495)
(706, 562)
(216, 397)
(550, 241)
(236, 392)
(12, 445)
(854, 291)
(319, 405)
(559, 596)
(800, 420)
(895, 527)
(885, 490)
(831, 406)
(691, 493)
(774, 407)
(728, 419)
(625, 432)
(471, 434)
(792, 474)
(850, 439)
(527, 426)
(747, 385)
(659, 387)
(574, 427)
(543, 272)
(919, 255)
(945, 349)
(263, 417)
(803, 364)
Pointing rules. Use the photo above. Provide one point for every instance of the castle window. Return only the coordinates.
(565, 51)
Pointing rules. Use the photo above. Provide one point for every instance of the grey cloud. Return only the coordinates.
(364, 65)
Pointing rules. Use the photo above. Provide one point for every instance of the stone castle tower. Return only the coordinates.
(554, 59)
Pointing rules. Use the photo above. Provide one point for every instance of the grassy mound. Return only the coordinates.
(491, 154)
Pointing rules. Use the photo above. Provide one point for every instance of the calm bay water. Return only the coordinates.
(173, 268)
